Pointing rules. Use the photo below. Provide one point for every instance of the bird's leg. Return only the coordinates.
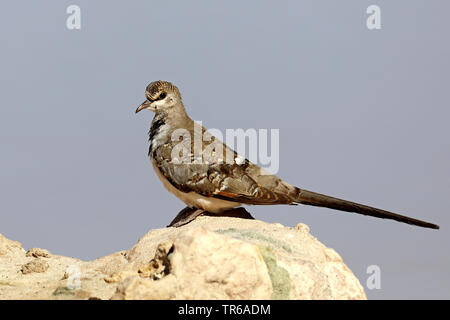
(185, 216)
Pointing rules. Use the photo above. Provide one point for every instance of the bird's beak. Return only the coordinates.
(145, 105)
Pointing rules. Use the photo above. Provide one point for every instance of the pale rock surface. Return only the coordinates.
(209, 258)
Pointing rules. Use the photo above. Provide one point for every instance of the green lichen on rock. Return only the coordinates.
(63, 291)
(281, 282)
(253, 235)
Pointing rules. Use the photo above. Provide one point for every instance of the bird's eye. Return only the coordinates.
(162, 96)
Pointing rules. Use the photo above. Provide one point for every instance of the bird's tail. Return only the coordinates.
(321, 200)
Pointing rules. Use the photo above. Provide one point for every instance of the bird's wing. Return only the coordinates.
(240, 181)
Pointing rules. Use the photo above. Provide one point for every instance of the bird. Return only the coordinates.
(216, 186)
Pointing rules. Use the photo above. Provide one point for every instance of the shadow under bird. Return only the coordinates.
(219, 186)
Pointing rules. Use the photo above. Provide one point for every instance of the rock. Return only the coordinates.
(37, 252)
(202, 264)
(9, 248)
(209, 258)
(35, 266)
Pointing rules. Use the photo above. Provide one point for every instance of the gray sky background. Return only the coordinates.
(363, 115)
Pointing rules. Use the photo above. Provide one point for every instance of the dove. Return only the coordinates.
(214, 178)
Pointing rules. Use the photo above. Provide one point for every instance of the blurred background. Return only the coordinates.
(363, 115)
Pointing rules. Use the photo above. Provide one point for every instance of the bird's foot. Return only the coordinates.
(185, 216)
(189, 214)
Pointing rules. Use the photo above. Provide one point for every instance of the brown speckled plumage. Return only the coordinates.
(155, 88)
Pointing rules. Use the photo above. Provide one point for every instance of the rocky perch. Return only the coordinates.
(209, 258)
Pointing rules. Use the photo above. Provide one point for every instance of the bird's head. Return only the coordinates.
(162, 96)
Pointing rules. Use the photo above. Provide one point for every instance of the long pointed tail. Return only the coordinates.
(321, 200)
